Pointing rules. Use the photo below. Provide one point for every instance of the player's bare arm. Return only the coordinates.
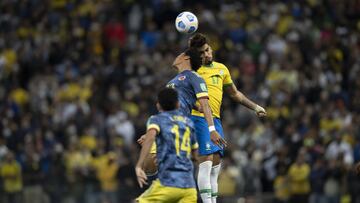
(150, 166)
(146, 146)
(195, 156)
(214, 136)
(239, 97)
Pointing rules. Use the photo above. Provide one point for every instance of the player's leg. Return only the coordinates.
(205, 158)
(215, 170)
(203, 177)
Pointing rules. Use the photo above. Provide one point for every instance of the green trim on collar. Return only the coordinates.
(211, 65)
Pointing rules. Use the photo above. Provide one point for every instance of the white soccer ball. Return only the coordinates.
(186, 22)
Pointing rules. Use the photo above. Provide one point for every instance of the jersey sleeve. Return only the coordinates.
(153, 123)
(199, 86)
(227, 77)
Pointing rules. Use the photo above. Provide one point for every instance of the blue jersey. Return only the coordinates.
(174, 141)
(190, 87)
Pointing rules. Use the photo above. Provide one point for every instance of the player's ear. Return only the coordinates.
(177, 105)
(158, 106)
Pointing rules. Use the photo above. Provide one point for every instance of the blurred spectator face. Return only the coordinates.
(207, 54)
(111, 158)
(333, 163)
(318, 163)
(9, 157)
(282, 170)
(338, 138)
(300, 159)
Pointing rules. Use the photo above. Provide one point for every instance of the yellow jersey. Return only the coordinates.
(11, 174)
(299, 178)
(216, 76)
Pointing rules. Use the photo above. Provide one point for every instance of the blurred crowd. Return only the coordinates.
(78, 80)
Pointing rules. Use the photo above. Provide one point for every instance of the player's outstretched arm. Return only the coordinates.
(146, 146)
(214, 136)
(239, 97)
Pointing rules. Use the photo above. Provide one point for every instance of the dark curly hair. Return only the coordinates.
(168, 98)
(195, 58)
(197, 41)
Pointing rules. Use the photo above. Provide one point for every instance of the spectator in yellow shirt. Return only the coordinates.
(107, 175)
(10, 171)
(281, 186)
(299, 179)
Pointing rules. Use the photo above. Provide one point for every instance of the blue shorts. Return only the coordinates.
(206, 146)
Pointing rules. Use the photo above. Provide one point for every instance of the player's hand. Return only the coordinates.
(141, 176)
(260, 111)
(141, 140)
(217, 139)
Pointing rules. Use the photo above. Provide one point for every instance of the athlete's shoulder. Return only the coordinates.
(197, 75)
(160, 119)
(154, 122)
(163, 114)
(153, 118)
(185, 75)
(190, 123)
(181, 76)
(194, 77)
(181, 116)
(219, 65)
(191, 74)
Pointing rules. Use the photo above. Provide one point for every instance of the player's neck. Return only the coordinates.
(183, 68)
(209, 65)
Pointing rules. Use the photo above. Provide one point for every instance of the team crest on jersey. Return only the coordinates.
(207, 146)
(181, 78)
(221, 72)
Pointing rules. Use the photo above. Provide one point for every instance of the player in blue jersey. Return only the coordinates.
(175, 139)
(191, 88)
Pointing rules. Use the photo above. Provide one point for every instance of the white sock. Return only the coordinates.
(215, 170)
(203, 180)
